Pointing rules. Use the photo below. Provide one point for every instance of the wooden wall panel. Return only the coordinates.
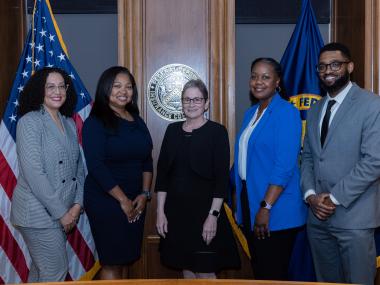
(12, 34)
(222, 65)
(197, 33)
(357, 24)
(348, 27)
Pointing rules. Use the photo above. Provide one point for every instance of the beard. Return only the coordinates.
(339, 83)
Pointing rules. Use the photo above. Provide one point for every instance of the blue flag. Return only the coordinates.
(44, 47)
(299, 60)
(302, 88)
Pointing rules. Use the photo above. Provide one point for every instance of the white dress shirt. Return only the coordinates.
(338, 102)
(243, 144)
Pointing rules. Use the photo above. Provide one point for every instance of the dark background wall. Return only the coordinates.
(91, 41)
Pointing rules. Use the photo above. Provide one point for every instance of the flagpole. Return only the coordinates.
(33, 35)
(57, 30)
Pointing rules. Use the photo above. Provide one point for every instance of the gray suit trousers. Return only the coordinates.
(343, 255)
(47, 248)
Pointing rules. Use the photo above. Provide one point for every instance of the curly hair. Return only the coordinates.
(101, 108)
(32, 97)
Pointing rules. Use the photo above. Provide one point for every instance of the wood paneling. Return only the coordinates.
(357, 24)
(197, 33)
(12, 34)
(348, 27)
(372, 46)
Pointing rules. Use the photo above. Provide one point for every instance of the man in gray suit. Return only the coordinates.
(340, 173)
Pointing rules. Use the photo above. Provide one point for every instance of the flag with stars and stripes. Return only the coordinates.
(44, 47)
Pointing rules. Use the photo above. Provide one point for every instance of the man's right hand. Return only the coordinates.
(320, 208)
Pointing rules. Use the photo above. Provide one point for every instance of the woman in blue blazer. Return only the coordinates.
(269, 202)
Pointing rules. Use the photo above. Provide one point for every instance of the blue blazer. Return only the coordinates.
(272, 159)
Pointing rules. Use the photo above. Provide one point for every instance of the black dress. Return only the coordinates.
(115, 158)
(190, 192)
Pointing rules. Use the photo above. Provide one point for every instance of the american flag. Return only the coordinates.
(44, 47)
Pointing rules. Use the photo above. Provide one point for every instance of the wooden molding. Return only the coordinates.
(357, 24)
(222, 64)
(130, 43)
(12, 33)
(197, 33)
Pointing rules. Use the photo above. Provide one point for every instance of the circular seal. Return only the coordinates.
(165, 87)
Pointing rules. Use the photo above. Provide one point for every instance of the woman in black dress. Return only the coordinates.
(192, 181)
(117, 146)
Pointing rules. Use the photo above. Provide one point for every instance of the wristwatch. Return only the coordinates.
(214, 213)
(265, 205)
(147, 194)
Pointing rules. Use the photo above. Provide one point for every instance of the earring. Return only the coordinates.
(278, 89)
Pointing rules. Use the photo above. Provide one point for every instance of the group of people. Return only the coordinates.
(337, 177)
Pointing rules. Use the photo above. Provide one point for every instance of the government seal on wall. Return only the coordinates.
(165, 87)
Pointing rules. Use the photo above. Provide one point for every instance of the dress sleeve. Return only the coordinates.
(221, 163)
(94, 139)
(162, 179)
(29, 150)
(287, 147)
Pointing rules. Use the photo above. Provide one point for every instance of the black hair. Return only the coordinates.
(196, 83)
(32, 97)
(334, 46)
(101, 108)
(277, 69)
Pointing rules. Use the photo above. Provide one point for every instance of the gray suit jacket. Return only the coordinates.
(51, 172)
(348, 166)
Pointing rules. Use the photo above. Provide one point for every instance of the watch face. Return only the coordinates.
(263, 204)
(215, 213)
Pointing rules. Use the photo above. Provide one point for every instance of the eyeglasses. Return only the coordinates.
(51, 88)
(334, 66)
(196, 100)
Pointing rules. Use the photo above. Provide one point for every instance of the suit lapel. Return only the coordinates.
(63, 138)
(343, 110)
(265, 118)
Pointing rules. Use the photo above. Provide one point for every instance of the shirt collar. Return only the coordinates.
(342, 94)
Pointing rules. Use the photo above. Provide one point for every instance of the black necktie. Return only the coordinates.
(326, 120)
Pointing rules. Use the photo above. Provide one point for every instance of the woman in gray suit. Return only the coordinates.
(47, 200)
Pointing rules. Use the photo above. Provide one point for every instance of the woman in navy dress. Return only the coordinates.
(117, 146)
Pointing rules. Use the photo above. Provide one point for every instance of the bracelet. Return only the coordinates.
(147, 194)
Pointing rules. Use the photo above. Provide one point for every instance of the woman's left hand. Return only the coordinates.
(139, 204)
(262, 223)
(209, 228)
(75, 212)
